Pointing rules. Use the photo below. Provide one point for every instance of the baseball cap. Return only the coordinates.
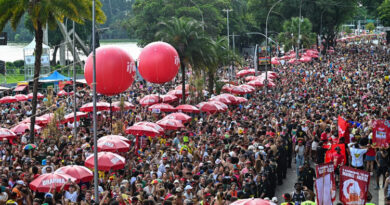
(176, 181)
(274, 199)
(21, 182)
(188, 187)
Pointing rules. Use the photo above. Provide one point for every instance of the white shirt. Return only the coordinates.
(357, 156)
(72, 197)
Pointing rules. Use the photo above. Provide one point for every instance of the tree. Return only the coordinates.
(187, 38)
(289, 36)
(146, 15)
(44, 12)
(384, 12)
(370, 26)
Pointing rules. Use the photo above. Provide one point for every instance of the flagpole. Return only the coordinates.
(96, 173)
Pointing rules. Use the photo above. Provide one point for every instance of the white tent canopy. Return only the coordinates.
(29, 56)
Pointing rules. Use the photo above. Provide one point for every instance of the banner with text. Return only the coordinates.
(353, 186)
(325, 184)
(381, 133)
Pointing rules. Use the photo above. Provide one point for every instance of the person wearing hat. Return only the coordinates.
(188, 193)
(287, 199)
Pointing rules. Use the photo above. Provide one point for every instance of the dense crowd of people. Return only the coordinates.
(219, 158)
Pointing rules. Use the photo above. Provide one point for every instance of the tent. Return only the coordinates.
(54, 77)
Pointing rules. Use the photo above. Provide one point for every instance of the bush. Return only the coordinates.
(19, 63)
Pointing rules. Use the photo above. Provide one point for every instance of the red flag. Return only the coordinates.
(381, 133)
(325, 184)
(343, 129)
(353, 185)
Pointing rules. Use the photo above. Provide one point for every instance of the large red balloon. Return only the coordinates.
(158, 62)
(115, 70)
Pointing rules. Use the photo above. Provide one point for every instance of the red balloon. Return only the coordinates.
(115, 70)
(158, 62)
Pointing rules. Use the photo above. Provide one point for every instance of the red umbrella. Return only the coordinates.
(142, 130)
(21, 97)
(126, 106)
(70, 117)
(50, 181)
(231, 97)
(221, 99)
(169, 98)
(106, 161)
(152, 125)
(80, 173)
(115, 137)
(178, 116)
(238, 90)
(38, 120)
(62, 93)
(292, 61)
(253, 201)
(178, 93)
(179, 87)
(22, 127)
(305, 59)
(100, 106)
(113, 145)
(39, 96)
(209, 107)
(223, 106)
(8, 99)
(245, 72)
(242, 100)
(161, 107)
(187, 109)
(46, 118)
(250, 78)
(170, 124)
(6, 133)
(149, 100)
(256, 83)
(275, 61)
(228, 87)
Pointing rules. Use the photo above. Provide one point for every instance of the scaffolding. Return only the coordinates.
(29, 60)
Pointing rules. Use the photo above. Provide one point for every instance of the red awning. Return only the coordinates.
(20, 88)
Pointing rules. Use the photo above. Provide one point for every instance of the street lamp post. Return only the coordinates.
(299, 30)
(262, 34)
(96, 173)
(74, 83)
(228, 37)
(266, 43)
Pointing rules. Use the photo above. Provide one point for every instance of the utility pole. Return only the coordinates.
(74, 84)
(266, 44)
(227, 23)
(234, 51)
(299, 30)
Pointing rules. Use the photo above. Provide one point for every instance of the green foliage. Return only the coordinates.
(348, 30)
(384, 12)
(370, 26)
(289, 36)
(147, 14)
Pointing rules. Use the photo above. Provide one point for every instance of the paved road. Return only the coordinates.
(288, 187)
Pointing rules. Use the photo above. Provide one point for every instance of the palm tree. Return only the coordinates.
(42, 13)
(187, 38)
(289, 36)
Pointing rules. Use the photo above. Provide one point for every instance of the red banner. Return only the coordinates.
(343, 129)
(354, 185)
(332, 151)
(381, 133)
(325, 184)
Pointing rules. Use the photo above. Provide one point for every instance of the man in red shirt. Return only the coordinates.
(338, 161)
